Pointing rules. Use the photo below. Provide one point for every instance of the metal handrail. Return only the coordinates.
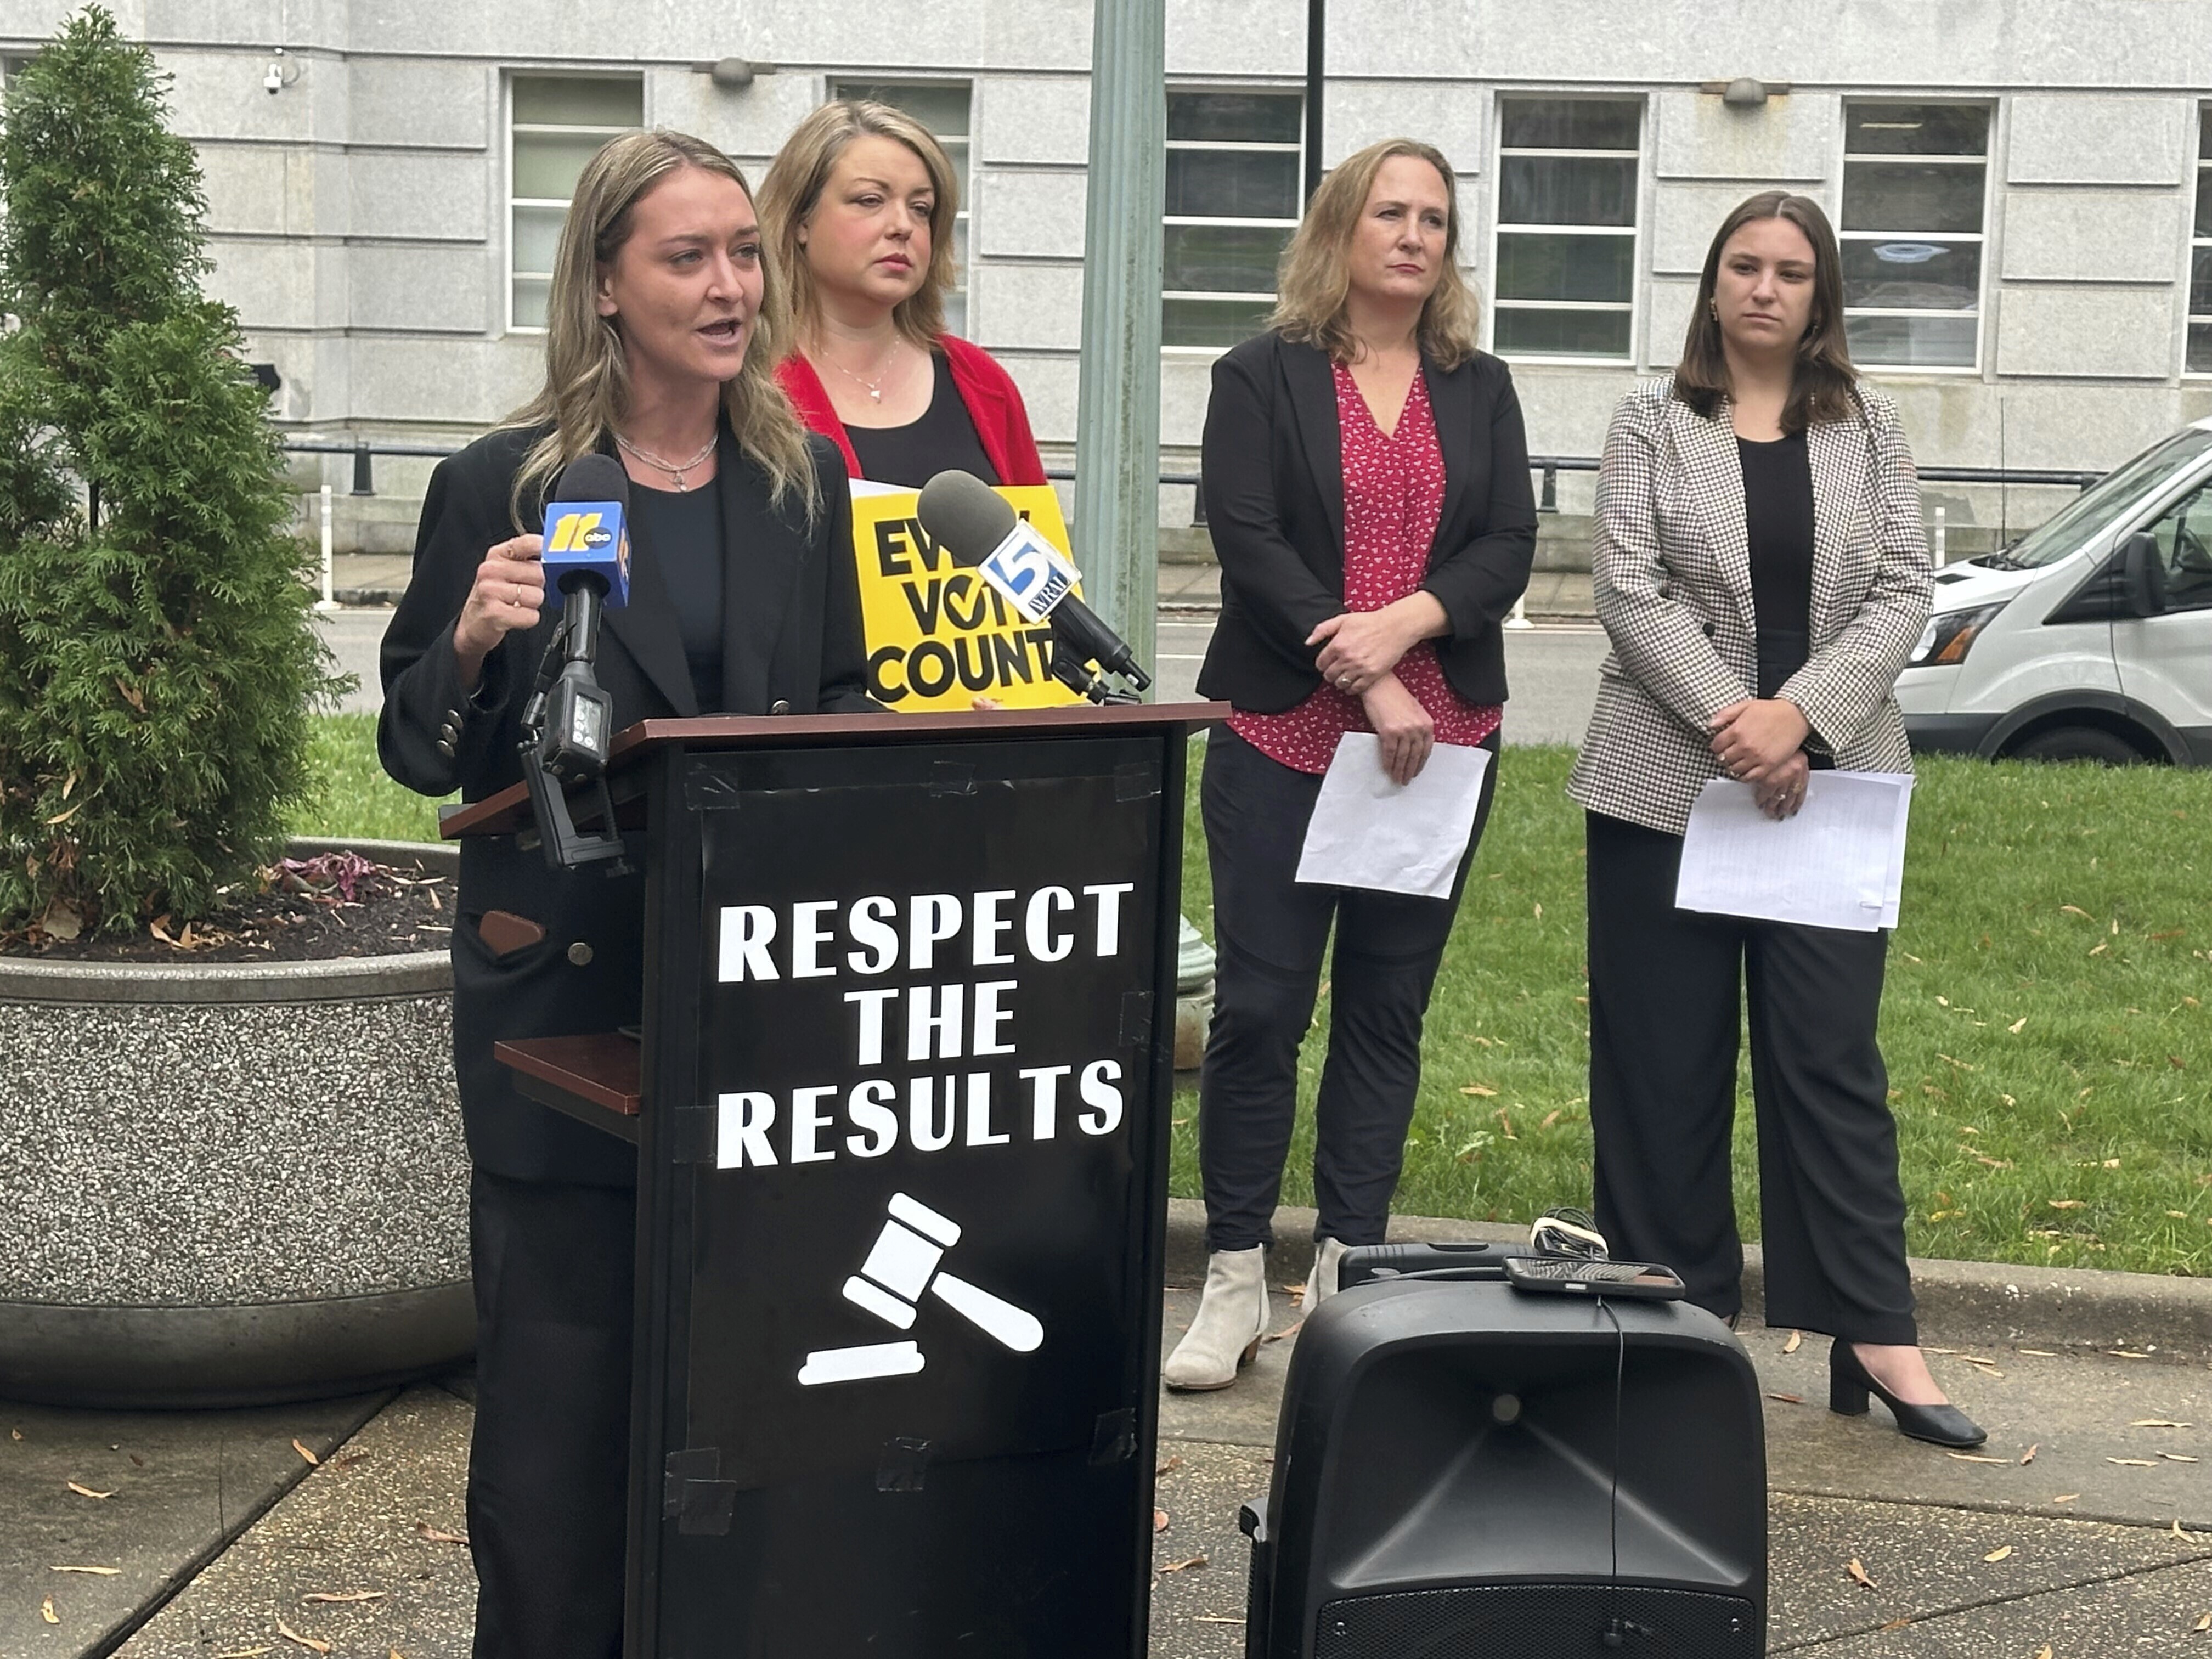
(1549, 467)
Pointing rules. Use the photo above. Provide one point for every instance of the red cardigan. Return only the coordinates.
(993, 405)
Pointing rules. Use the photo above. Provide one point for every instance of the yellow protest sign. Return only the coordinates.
(939, 636)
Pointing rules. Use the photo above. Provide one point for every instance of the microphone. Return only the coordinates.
(586, 557)
(978, 527)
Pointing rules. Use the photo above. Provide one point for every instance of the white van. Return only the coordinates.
(2090, 638)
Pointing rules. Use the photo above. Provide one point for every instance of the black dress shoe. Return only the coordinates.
(1848, 1384)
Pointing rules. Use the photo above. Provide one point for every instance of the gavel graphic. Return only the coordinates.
(905, 1262)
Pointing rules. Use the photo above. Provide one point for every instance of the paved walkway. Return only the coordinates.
(2084, 1527)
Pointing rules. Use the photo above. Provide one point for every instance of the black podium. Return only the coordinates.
(901, 1106)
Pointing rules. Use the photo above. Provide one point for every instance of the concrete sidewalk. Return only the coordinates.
(2085, 1526)
(379, 579)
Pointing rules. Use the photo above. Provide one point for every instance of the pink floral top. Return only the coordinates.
(1394, 494)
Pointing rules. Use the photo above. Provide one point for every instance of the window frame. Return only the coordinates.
(1635, 230)
(2200, 240)
(1228, 147)
(835, 87)
(1985, 239)
(575, 130)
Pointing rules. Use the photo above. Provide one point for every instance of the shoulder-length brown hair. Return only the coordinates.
(586, 389)
(1314, 279)
(800, 173)
(1825, 386)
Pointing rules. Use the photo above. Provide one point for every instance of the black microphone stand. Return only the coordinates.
(565, 730)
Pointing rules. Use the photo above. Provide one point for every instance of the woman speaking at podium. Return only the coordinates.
(859, 207)
(1761, 568)
(662, 318)
(1367, 484)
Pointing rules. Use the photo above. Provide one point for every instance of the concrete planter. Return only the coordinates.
(228, 1184)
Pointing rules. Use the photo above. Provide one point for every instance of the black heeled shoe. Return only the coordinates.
(1848, 1384)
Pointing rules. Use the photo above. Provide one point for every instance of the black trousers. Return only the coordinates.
(548, 1468)
(1270, 934)
(1666, 990)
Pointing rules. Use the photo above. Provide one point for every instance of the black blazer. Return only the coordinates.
(1273, 467)
(791, 644)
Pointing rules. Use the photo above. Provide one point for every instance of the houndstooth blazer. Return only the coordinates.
(1671, 569)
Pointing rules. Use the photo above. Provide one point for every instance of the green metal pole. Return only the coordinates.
(1117, 405)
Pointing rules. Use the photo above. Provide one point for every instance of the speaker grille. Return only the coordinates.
(1539, 1621)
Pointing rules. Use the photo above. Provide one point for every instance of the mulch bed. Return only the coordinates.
(330, 906)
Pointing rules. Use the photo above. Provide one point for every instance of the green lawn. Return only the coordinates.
(2050, 1049)
(2049, 1053)
(354, 798)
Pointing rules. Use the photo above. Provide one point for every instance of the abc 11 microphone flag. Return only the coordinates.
(939, 636)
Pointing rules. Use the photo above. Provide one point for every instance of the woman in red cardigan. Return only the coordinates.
(857, 210)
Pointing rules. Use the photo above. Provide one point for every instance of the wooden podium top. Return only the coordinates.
(509, 810)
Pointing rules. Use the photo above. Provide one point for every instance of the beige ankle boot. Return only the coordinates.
(1231, 1318)
(1320, 1283)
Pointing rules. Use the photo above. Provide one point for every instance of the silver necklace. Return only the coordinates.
(875, 387)
(675, 469)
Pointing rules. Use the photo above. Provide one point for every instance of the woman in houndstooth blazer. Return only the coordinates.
(1761, 568)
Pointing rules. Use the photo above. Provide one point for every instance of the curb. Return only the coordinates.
(2140, 1315)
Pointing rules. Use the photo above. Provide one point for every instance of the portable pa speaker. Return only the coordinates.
(1466, 1471)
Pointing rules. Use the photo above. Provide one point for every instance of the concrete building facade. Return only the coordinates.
(2024, 188)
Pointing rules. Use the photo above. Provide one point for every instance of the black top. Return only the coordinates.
(911, 455)
(1273, 466)
(681, 531)
(1778, 521)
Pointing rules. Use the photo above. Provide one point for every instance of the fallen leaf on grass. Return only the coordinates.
(344, 1595)
(291, 1635)
(2028, 1456)
(1996, 1555)
(96, 1572)
(2098, 952)
(2075, 910)
(1550, 1118)
(46, 1612)
(2014, 1028)
(87, 1491)
(438, 1536)
(2068, 1203)
(1159, 1520)
(1858, 1574)
(1976, 1457)
(1184, 1565)
(1992, 1163)
(311, 1459)
(1482, 1089)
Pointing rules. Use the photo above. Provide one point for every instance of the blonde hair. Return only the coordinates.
(586, 388)
(800, 173)
(1314, 279)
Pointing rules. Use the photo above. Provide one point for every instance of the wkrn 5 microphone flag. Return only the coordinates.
(939, 636)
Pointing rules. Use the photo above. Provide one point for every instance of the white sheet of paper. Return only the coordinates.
(1367, 831)
(1838, 863)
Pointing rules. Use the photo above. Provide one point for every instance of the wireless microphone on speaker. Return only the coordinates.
(569, 722)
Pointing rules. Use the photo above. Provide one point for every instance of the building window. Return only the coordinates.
(1235, 164)
(557, 123)
(1914, 183)
(2200, 253)
(1565, 260)
(943, 108)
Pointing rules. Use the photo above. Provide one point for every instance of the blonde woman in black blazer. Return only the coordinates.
(1367, 485)
(1760, 568)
